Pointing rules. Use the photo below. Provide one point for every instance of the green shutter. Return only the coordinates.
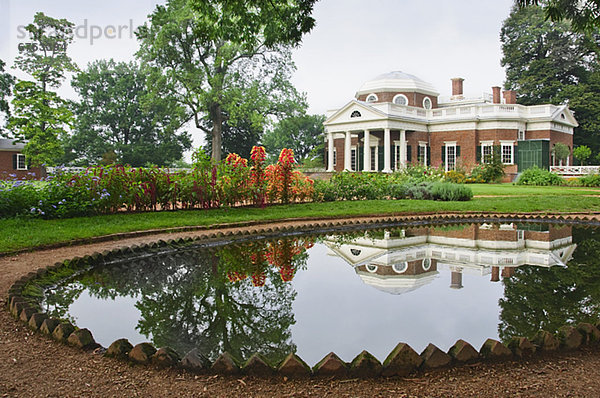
(14, 162)
(428, 155)
(457, 152)
(478, 155)
(380, 158)
(515, 156)
(408, 154)
(443, 155)
(361, 158)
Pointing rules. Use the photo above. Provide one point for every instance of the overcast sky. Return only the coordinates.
(353, 41)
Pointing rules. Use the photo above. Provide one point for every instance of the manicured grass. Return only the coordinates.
(523, 190)
(17, 234)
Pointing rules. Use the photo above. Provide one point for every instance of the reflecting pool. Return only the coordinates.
(344, 293)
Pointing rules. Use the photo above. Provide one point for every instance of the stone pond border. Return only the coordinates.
(25, 294)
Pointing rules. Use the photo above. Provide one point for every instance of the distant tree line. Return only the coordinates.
(551, 55)
(223, 66)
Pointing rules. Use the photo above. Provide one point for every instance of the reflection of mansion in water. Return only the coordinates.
(400, 261)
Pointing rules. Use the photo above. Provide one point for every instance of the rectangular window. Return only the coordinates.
(397, 163)
(450, 157)
(353, 159)
(486, 153)
(422, 154)
(21, 162)
(521, 136)
(373, 158)
(334, 157)
(507, 153)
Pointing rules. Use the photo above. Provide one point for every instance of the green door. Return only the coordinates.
(533, 153)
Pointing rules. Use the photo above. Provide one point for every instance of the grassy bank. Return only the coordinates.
(23, 233)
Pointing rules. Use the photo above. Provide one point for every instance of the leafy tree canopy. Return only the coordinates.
(226, 61)
(584, 14)
(6, 84)
(41, 117)
(45, 58)
(303, 134)
(118, 121)
(547, 62)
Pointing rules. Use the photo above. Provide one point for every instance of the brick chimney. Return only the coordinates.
(495, 274)
(457, 88)
(456, 279)
(510, 96)
(496, 94)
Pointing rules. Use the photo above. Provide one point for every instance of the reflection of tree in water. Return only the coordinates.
(189, 299)
(548, 298)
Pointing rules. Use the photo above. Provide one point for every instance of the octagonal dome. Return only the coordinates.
(397, 82)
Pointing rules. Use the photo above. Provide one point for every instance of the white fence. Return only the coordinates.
(52, 170)
(567, 171)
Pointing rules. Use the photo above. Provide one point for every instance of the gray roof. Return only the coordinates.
(7, 144)
(397, 75)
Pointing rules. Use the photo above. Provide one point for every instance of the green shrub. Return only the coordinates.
(592, 180)
(420, 190)
(447, 191)
(537, 176)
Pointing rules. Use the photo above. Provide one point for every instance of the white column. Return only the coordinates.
(367, 151)
(330, 167)
(348, 152)
(402, 149)
(386, 151)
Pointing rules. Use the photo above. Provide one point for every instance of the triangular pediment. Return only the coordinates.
(355, 111)
(565, 116)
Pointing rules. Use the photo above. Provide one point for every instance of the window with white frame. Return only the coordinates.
(422, 155)
(21, 162)
(372, 98)
(450, 157)
(507, 152)
(397, 162)
(521, 135)
(353, 159)
(487, 149)
(427, 104)
(400, 99)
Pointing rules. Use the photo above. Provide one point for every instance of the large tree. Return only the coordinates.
(118, 120)
(226, 61)
(584, 14)
(6, 83)
(41, 117)
(547, 62)
(303, 134)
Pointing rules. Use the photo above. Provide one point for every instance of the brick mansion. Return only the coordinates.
(398, 119)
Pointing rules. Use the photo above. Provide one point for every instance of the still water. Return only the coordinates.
(344, 293)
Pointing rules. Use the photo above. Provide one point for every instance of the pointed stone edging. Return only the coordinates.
(402, 361)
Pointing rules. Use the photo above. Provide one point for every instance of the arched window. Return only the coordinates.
(400, 99)
(355, 114)
(427, 104)
(372, 98)
(426, 264)
(371, 268)
(400, 268)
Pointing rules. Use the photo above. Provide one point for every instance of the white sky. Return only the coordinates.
(353, 41)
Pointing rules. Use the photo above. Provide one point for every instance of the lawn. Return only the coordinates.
(27, 232)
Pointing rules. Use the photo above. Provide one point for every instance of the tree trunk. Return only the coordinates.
(217, 132)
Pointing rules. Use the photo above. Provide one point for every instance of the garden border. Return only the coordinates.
(402, 361)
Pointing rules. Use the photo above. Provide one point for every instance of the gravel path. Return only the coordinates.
(34, 366)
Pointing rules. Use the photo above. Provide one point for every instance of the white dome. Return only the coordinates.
(397, 284)
(397, 82)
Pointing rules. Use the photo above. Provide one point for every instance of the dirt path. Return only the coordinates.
(34, 366)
